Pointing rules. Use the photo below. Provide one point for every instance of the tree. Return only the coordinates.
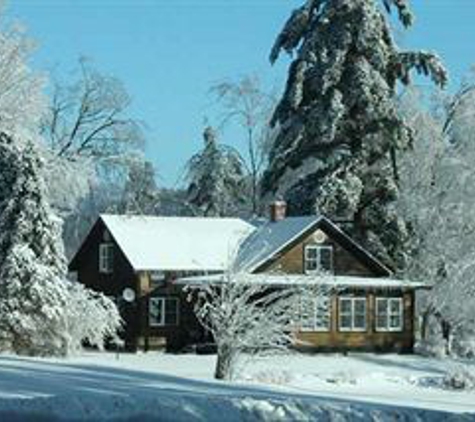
(245, 102)
(216, 179)
(340, 130)
(246, 316)
(437, 187)
(141, 195)
(22, 102)
(37, 304)
(93, 143)
(89, 118)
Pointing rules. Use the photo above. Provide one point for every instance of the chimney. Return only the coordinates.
(278, 210)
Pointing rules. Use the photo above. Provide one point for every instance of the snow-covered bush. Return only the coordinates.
(459, 377)
(90, 317)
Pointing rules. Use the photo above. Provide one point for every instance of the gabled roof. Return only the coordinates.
(177, 243)
(271, 238)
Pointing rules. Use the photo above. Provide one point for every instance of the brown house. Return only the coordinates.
(156, 256)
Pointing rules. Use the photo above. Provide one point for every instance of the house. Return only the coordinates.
(154, 257)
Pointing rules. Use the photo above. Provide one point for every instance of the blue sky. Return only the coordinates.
(169, 52)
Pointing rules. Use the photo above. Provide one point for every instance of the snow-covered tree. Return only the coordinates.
(438, 187)
(37, 304)
(340, 130)
(141, 195)
(89, 118)
(22, 101)
(216, 179)
(246, 103)
(248, 316)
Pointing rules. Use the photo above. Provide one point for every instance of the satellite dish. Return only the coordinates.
(128, 294)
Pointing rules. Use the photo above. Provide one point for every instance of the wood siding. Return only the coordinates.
(368, 340)
(291, 259)
(86, 266)
(172, 337)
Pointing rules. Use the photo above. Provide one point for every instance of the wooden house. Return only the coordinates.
(157, 256)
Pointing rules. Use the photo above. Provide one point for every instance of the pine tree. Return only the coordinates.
(32, 300)
(141, 195)
(41, 313)
(340, 129)
(217, 179)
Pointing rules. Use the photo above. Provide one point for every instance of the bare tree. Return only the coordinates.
(245, 102)
(89, 118)
(249, 316)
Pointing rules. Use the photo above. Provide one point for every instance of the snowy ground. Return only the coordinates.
(155, 386)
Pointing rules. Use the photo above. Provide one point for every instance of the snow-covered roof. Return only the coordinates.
(280, 279)
(270, 238)
(177, 243)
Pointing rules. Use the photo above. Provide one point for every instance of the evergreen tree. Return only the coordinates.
(41, 313)
(141, 195)
(340, 128)
(32, 299)
(217, 180)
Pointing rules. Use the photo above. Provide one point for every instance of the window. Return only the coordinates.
(315, 314)
(389, 314)
(157, 279)
(318, 258)
(106, 257)
(163, 311)
(352, 314)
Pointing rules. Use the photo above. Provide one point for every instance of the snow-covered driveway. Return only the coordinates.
(162, 387)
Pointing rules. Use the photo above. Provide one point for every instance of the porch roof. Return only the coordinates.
(306, 279)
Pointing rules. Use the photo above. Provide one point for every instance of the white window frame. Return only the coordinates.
(106, 258)
(319, 312)
(352, 314)
(317, 259)
(400, 314)
(163, 300)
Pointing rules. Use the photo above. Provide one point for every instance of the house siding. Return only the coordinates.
(368, 340)
(86, 266)
(172, 337)
(291, 259)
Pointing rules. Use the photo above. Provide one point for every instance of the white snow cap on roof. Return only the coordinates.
(177, 243)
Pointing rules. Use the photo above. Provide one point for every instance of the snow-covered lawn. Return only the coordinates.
(156, 386)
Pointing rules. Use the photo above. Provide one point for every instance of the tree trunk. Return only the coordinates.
(224, 363)
(446, 334)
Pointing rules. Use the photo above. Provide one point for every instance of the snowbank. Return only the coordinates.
(97, 387)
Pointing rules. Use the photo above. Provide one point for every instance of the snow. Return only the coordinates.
(308, 280)
(177, 243)
(157, 386)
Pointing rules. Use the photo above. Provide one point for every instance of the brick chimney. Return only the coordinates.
(278, 210)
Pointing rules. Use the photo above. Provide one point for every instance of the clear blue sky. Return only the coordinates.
(168, 53)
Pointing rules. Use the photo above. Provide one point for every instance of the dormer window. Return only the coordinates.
(106, 258)
(318, 258)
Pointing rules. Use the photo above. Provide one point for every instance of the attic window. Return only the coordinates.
(318, 258)
(106, 258)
